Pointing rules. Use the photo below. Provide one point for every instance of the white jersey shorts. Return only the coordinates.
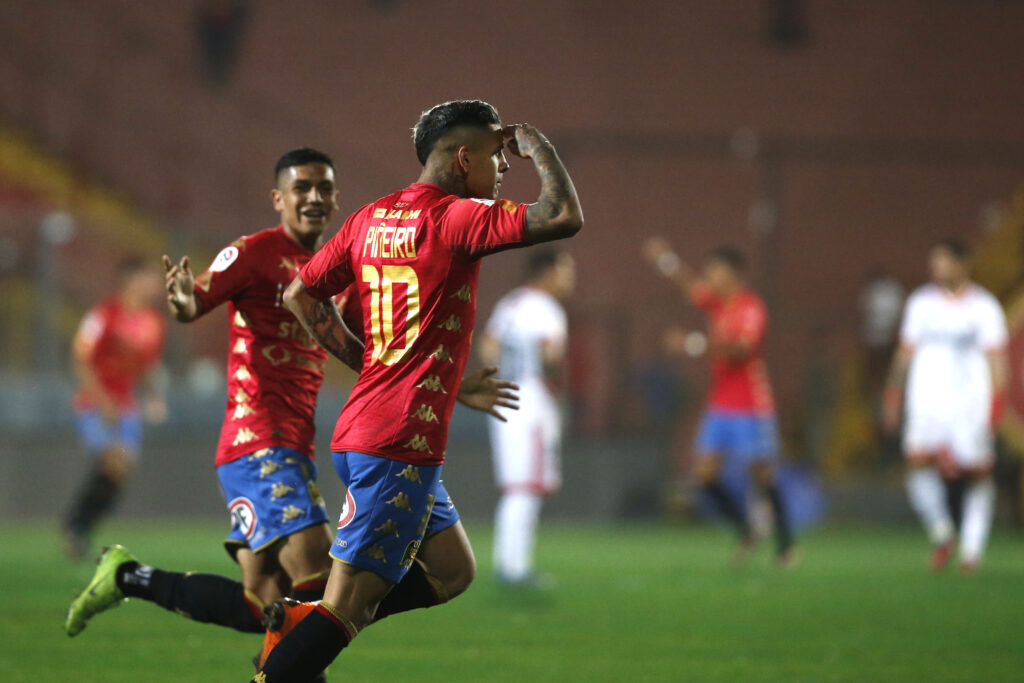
(965, 438)
(527, 448)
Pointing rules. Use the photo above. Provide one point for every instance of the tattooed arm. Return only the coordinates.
(557, 214)
(322, 320)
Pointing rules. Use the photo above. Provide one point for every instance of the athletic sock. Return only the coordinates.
(515, 532)
(94, 499)
(928, 498)
(308, 648)
(416, 590)
(955, 491)
(730, 507)
(206, 598)
(979, 507)
(783, 533)
(310, 589)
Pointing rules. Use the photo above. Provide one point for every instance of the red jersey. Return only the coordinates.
(737, 384)
(275, 368)
(414, 258)
(123, 346)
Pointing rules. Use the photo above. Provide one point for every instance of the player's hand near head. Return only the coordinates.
(521, 139)
(557, 213)
(484, 392)
(180, 284)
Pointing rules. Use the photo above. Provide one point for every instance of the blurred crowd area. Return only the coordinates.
(832, 142)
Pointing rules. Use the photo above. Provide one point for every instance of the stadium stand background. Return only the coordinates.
(825, 148)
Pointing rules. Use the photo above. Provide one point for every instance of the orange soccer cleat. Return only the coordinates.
(279, 618)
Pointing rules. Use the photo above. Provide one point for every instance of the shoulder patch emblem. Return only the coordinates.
(224, 259)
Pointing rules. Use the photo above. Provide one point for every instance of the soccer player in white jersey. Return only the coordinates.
(952, 361)
(526, 336)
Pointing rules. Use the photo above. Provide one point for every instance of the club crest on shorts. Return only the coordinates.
(410, 554)
(243, 516)
(348, 510)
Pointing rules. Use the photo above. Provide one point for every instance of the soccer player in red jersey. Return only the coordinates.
(280, 536)
(740, 422)
(415, 258)
(118, 345)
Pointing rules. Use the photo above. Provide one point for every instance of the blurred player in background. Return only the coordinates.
(280, 536)
(415, 256)
(116, 350)
(526, 337)
(952, 360)
(740, 422)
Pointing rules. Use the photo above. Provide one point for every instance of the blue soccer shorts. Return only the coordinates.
(99, 436)
(389, 508)
(745, 437)
(270, 494)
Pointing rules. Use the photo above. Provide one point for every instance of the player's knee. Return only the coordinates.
(462, 578)
(764, 475)
(706, 471)
(455, 577)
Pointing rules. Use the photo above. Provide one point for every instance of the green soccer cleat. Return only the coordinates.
(102, 592)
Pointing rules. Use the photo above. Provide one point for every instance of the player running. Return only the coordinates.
(280, 536)
(527, 337)
(415, 256)
(740, 423)
(952, 360)
(117, 348)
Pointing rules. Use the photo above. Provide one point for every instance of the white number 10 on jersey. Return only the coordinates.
(382, 329)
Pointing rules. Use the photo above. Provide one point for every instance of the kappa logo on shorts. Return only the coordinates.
(348, 510)
(243, 516)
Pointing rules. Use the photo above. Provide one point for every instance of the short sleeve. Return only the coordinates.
(912, 328)
(92, 330)
(993, 334)
(228, 275)
(703, 298)
(753, 324)
(554, 326)
(477, 227)
(329, 272)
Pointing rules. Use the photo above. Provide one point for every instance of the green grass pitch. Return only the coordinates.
(634, 603)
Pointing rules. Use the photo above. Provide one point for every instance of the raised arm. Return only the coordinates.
(180, 283)
(659, 252)
(322, 320)
(557, 213)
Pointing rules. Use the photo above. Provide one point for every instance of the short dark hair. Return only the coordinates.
(958, 249)
(730, 256)
(301, 157)
(440, 119)
(539, 260)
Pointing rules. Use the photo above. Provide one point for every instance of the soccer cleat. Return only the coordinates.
(790, 558)
(279, 618)
(745, 550)
(102, 592)
(968, 567)
(940, 556)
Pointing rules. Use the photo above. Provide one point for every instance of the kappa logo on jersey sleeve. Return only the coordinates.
(224, 259)
(243, 516)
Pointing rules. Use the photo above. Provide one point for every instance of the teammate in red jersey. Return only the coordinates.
(280, 536)
(414, 256)
(118, 345)
(740, 422)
